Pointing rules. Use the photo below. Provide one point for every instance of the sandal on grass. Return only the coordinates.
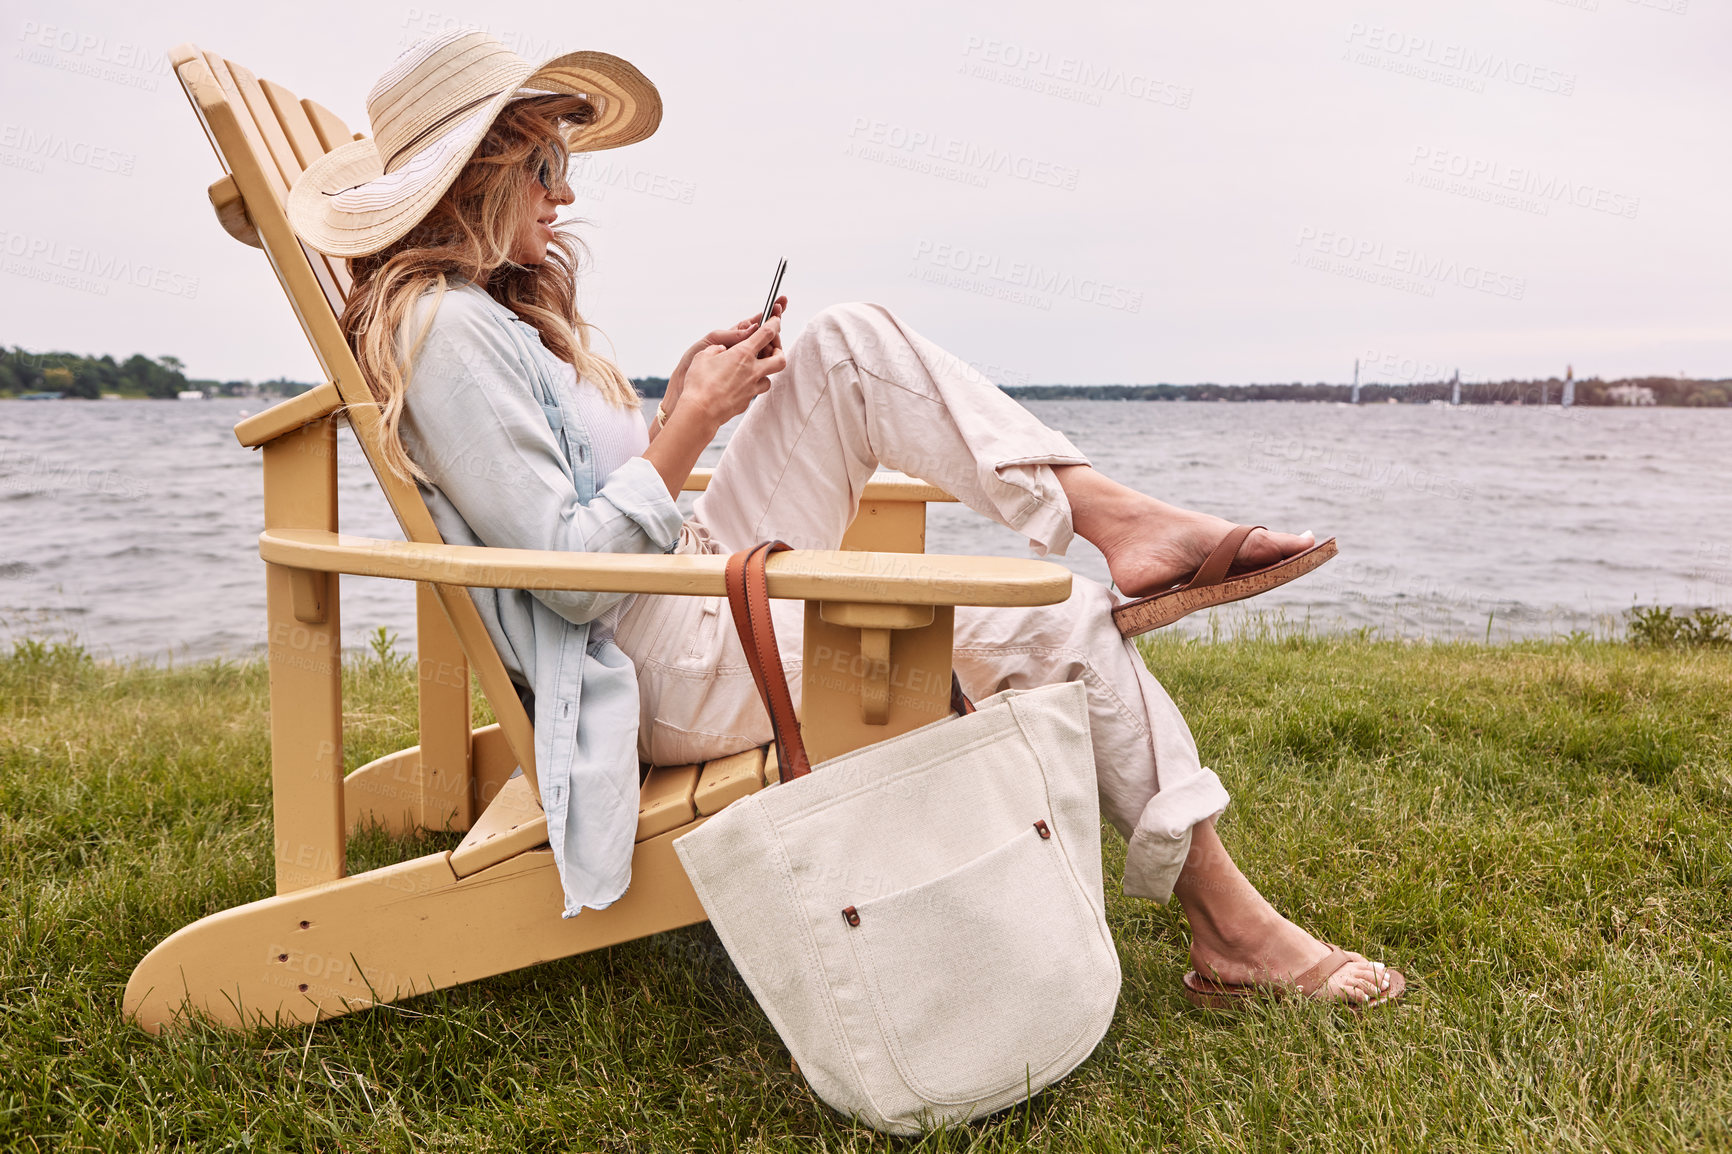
(1211, 585)
(1313, 983)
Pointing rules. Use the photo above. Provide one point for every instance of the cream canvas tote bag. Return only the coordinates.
(922, 920)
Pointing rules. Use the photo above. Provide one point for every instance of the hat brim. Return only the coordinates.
(346, 205)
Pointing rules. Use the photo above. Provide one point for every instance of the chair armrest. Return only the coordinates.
(287, 416)
(881, 487)
(802, 574)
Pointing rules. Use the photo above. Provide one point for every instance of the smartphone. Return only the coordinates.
(775, 287)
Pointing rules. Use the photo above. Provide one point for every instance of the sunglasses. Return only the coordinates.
(545, 176)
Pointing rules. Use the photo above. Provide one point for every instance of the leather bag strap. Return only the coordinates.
(749, 600)
(959, 702)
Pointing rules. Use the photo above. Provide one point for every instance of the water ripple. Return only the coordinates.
(135, 524)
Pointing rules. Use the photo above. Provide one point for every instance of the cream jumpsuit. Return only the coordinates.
(861, 390)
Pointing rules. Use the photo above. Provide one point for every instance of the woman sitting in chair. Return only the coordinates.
(463, 317)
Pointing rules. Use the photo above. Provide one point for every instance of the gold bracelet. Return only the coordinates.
(661, 415)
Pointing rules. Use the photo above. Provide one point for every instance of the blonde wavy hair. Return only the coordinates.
(468, 236)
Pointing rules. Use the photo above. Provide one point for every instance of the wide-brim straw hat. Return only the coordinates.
(428, 114)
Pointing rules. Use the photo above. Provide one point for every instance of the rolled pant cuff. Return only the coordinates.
(1153, 863)
(1040, 510)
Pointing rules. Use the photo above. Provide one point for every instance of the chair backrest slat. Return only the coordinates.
(219, 72)
(269, 145)
(297, 129)
(264, 116)
(297, 132)
(240, 130)
(332, 132)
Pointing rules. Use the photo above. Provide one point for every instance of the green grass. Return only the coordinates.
(1537, 834)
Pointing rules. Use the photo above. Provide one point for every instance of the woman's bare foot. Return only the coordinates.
(1237, 937)
(1151, 545)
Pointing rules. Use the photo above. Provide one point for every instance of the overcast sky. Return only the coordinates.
(1081, 193)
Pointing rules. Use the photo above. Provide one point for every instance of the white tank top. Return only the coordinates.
(616, 435)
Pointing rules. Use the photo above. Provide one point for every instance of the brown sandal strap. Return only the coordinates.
(1314, 981)
(1220, 560)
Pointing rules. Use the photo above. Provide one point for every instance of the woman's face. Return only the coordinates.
(535, 227)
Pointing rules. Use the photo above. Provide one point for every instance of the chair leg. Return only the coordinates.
(305, 644)
(447, 791)
(391, 933)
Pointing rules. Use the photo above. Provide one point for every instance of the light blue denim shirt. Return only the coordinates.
(490, 418)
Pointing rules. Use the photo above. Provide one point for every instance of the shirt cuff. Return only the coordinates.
(639, 493)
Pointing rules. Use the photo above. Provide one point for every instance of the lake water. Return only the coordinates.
(133, 525)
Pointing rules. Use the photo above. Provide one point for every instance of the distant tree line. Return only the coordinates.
(88, 378)
(1666, 391)
(72, 375)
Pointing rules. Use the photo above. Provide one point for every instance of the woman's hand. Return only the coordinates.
(722, 378)
(723, 338)
(718, 383)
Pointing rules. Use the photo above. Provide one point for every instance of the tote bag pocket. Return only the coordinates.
(1000, 935)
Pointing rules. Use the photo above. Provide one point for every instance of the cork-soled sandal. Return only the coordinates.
(1313, 983)
(1211, 585)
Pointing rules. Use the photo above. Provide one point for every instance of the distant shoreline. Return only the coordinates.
(1635, 392)
(70, 376)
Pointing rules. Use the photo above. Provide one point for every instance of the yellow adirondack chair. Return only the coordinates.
(329, 943)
